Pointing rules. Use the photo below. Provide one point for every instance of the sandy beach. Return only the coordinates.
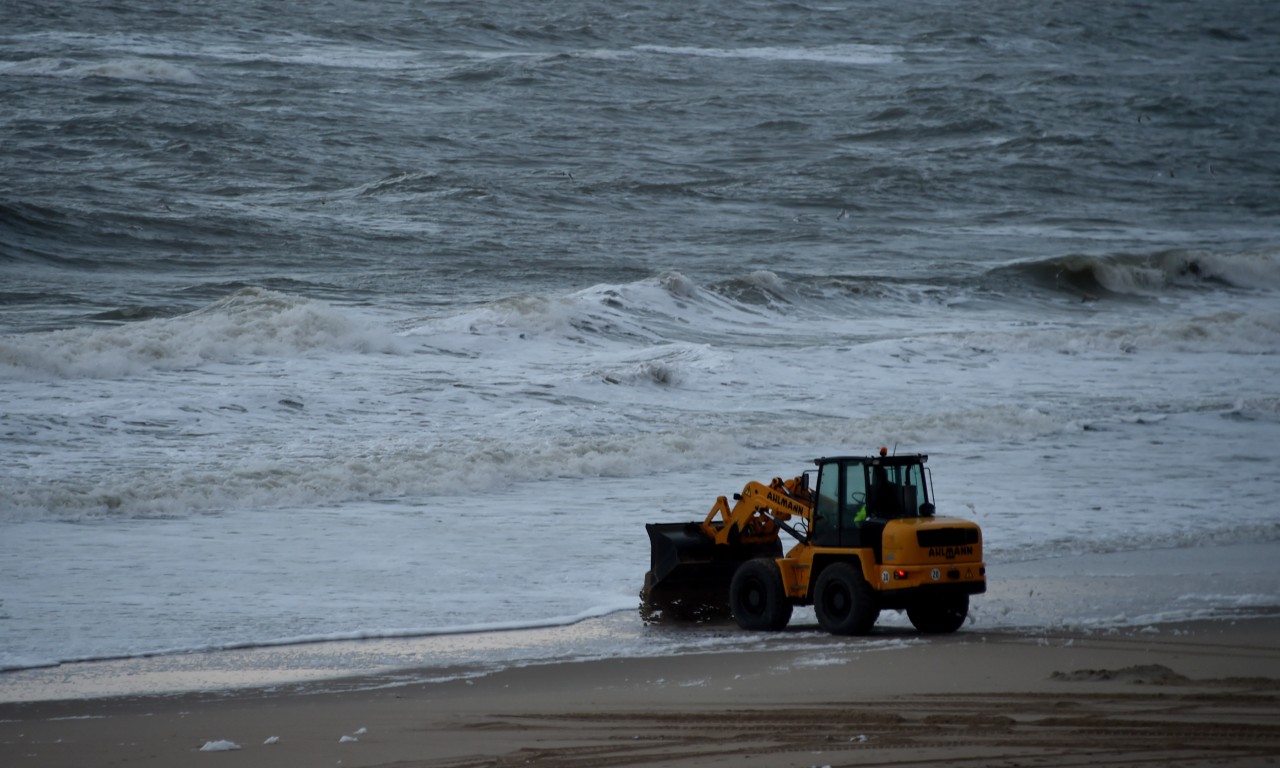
(1189, 694)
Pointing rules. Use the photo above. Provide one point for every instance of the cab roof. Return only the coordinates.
(898, 460)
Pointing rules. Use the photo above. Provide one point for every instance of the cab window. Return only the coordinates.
(855, 492)
(897, 491)
(826, 521)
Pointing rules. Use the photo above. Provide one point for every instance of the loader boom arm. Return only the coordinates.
(758, 512)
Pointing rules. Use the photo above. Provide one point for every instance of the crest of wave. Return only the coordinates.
(252, 322)
(1154, 274)
(665, 308)
(1252, 270)
(523, 316)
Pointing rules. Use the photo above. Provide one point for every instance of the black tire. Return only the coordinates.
(940, 615)
(844, 602)
(757, 598)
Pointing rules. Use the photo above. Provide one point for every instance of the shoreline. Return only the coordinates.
(1196, 692)
(1088, 595)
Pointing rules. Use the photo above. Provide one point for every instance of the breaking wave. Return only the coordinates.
(252, 322)
(1147, 275)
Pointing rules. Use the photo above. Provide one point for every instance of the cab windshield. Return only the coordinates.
(896, 491)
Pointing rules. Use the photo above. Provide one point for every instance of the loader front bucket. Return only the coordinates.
(689, 574)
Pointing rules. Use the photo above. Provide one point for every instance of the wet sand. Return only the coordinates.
(1190, 694)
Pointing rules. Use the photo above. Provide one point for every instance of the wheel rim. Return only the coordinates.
(836, 601)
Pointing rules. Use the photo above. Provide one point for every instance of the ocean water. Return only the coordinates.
(356, 320)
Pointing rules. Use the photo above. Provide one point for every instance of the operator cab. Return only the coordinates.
(858, 495)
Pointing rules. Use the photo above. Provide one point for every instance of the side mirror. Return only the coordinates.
(927, 509)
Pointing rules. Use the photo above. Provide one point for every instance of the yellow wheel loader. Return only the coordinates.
(866, 538)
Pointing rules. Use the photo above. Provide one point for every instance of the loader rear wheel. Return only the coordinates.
(940, 615)
(757, 598)
(843, 601)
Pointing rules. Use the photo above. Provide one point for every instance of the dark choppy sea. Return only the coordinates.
(158, 156)
(311, 308)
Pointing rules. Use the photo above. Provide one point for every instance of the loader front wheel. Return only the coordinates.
(843, 601)
(757, 598)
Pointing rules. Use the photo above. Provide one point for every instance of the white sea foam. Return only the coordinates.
(1231, 332)
(285, 370)
(275, 435)
(851, 53)
(146, 70)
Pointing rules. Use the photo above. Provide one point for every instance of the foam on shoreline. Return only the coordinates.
(1085, 596)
